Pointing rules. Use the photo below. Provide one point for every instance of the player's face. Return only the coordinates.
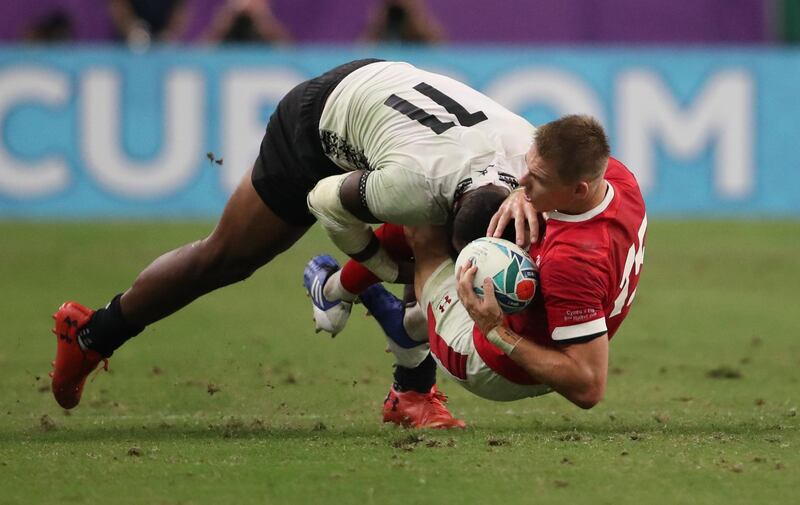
(543, 187)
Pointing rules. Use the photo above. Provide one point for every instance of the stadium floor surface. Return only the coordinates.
(236, 400)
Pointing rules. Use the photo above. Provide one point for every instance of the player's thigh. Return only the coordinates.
(449, 324)
(249, 232)
(431, 248)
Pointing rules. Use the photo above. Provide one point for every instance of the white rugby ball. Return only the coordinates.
(514, 275)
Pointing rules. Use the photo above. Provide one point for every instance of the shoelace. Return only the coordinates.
(437, 400)
(439, 396)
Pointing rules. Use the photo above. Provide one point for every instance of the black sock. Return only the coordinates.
(108, 330)
(420, 379)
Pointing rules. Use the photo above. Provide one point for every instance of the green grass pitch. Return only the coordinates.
(236, 400)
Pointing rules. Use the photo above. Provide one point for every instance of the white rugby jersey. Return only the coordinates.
(421, 133)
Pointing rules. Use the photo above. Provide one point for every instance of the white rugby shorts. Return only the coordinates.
(450, 333)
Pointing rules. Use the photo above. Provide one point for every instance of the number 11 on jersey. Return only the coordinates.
(464, 117)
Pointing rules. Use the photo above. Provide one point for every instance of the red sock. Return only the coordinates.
(355, 278)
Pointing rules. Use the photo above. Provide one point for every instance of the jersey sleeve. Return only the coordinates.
(574, 288)
(397, 195)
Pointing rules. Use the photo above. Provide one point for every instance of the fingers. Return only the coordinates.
(519, 209)
(464, 282)
(460, 271)
(503, 216)
(488, 292)
(468, 275)
(519, 225)
(532, 217)
(462, 292)
(462, 288)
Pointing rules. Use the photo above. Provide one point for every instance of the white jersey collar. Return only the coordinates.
(589, 214)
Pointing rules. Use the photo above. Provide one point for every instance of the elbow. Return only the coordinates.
(589, 397)
(587, 402)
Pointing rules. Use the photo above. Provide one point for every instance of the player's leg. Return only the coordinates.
(266, 214)
(414, 399)
(431, 247)
(248, 235)
(332, 303)
(404, 325)
(355, 278)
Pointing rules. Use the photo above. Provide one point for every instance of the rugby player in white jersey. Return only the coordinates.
(590, 257)
(391, 142)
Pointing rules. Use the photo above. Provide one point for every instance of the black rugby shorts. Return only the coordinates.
(291, 161)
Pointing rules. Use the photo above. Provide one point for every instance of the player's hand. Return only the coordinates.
(484, 311)
(516, 207)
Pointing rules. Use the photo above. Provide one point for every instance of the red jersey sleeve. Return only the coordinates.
(574, 288)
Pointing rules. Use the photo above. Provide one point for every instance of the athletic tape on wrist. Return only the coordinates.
(494, 337)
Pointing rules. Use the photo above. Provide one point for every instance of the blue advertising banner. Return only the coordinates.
(104, 133)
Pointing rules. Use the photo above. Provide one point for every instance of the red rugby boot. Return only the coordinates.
(419, 410)
(72, 364)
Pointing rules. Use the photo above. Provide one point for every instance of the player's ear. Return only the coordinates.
(581, 190)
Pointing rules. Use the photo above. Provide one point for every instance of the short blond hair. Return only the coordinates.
(577, 145)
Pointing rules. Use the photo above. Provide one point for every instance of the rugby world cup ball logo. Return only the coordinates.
(513, 273)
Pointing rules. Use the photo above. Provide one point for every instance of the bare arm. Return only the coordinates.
(577, 371)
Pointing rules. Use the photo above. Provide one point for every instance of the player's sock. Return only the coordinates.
(415, 322)
(335, 290)
(393, 239)
(355, 278)
(420, 379)
(108, 329)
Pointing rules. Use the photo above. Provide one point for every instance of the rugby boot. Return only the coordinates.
(329, 315)
(405, 326)
(419, 410)
(73, 364)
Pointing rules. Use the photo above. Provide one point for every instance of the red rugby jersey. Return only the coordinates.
(589, 267)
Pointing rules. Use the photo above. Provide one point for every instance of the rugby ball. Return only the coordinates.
(514, 275)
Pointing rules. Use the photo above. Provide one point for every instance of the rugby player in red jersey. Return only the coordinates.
(590, 257)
